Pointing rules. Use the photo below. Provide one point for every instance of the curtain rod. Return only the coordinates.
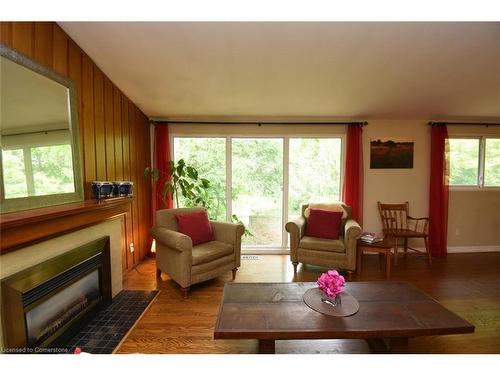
(438, 123)
(260, 123)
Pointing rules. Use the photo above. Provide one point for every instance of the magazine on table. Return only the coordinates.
(370, 237)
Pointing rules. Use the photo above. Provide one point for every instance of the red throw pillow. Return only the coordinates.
(196, 226)
(324, 224)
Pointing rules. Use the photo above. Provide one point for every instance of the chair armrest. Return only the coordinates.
(227, 232)
(419, 228)
(172, 239)
(296, 229)
(352, 230)
(417, 218)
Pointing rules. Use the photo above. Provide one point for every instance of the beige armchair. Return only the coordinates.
(324, 252)
(187, 264)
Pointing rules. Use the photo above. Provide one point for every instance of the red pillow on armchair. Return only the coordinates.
(195, 225)
(324, 224)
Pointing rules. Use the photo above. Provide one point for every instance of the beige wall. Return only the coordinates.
(398, 185)
(474, 215)
(18, 260)
(474, 218)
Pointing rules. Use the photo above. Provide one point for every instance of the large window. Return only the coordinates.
(263, 181)
(474, 162)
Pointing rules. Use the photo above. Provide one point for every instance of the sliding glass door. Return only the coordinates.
(264, 181)
(257, 188)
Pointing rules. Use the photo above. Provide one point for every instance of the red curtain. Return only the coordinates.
(352, 191)
(162, 163)
(438, 192)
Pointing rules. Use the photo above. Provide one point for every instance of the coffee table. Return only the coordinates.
(390, 314)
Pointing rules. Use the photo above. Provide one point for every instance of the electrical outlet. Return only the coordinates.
(457, 231)
(131, 247)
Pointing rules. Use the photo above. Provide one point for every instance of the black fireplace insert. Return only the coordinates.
(44, 305)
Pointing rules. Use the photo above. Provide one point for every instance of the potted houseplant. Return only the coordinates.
(183, 178)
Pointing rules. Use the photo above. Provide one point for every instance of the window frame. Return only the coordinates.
(266, 249)
(479, 186)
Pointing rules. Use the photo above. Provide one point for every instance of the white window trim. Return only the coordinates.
(266, 249)
(481, 165)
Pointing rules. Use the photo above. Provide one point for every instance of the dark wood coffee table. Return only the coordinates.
(390, 313)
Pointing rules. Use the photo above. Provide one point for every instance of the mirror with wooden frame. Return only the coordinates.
(39, 136)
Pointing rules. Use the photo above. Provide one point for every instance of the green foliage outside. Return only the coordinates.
(208, 156)
(14, 176)
(492, 162)
(257, 180)
(314, 174)
(464, 161)
(52, 169)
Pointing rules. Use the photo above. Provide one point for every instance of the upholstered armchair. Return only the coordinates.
(187, 264)
(340, 254)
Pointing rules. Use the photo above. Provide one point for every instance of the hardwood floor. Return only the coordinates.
(468, 284)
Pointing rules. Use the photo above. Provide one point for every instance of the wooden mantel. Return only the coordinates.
(19, 229)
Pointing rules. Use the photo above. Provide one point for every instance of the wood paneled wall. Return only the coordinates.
(115, 140)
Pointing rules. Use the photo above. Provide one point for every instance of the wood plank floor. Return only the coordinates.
(468, 284)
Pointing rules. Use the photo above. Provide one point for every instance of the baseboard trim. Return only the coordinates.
(265, 252)
(451, 250)
(468, 249)
(473, 249)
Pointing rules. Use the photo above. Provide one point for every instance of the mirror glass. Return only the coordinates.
(39, 153)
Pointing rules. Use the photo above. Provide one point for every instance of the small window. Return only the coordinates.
(474, 162)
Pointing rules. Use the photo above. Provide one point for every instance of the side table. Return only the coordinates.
(383, 247)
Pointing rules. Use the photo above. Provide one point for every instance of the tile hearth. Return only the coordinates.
(110, 325)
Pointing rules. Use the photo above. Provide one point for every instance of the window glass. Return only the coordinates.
(314, 173)
(257, 189)
(14, 175)
(464, 161)
(492, 162)
(52, 168)
(208, 156)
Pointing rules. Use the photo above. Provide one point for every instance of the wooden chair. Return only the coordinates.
(399, 225)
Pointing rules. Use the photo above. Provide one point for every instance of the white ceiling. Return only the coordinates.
(334, 70)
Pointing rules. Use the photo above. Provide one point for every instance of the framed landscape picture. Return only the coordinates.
(391, 153)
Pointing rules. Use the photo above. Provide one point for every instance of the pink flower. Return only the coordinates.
(331, 283)
(77, 350)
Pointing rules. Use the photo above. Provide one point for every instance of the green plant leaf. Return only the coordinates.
(180, 170)
(205, 183)
(155, 175)
(191, 172)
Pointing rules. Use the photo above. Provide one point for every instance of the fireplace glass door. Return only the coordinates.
(55, 312)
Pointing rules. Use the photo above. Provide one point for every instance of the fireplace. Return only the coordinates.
(44, 305)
